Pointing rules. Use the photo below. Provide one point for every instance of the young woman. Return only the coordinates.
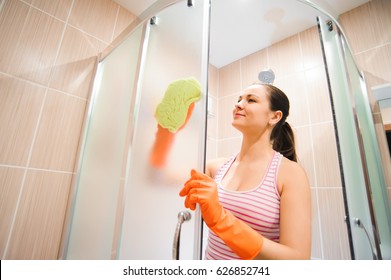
(258, 206)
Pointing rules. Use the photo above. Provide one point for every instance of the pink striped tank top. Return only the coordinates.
(259, 208)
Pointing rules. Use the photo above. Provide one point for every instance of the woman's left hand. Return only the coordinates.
(202, 189)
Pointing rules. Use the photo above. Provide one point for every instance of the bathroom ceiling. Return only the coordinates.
(262, 23)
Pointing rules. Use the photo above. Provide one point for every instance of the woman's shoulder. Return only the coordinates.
(290, 165)
(291, 173)
(212, 166)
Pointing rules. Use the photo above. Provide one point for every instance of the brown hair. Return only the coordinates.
(282, 134)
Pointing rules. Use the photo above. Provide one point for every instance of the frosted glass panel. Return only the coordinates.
(374, 164)
(176, 50)
(92, 227)
(368, 210)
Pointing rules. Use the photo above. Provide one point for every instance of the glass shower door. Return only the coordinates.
(376, 168)
(368, 211)
(176, 50)
(93, 208)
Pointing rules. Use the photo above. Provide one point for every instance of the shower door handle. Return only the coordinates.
(358, 223)
(183, 216)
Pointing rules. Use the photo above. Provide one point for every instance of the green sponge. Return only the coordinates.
(172, 111)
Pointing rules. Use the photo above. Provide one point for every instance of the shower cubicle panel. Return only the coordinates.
(368, 211)
(122, 204)
(93, 208)
(126, 206)
(176, 50)
(376, 169)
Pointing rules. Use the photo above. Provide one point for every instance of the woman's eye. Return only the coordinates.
(251, 100)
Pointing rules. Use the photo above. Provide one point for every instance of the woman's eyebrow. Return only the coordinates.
(251, 96)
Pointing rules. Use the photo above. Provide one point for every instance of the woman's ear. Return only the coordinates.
(276, 116)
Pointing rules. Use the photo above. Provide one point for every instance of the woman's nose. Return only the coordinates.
(239, 104)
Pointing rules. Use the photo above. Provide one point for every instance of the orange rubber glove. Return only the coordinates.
(239, 236)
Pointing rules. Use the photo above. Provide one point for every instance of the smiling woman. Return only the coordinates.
(251, 206)
(270, 98)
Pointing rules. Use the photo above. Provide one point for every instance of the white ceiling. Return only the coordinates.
(241, 27)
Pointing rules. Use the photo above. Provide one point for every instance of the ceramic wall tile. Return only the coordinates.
(124, 19)
(59, 132)
(230, 80)
(76, 62)
(318, 95)
(326, 156)
(311, 48)
(294, 86)
(20, 107)
(225, 117)
(213, 81)
(304, 151)
(316, 244)
(85, 13)
(40, 217)
(58, 9)
(361, 34)
(32, 54)
(380, 13)
(10, 184)
(333, 227)
(251, 65)
(375, 63)
(12, 20)
(283, 51)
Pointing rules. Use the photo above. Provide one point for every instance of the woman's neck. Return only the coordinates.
(255, 148)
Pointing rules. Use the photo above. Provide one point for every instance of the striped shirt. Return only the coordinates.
(259, 208)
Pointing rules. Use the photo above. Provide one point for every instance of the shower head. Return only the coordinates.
(266, 76)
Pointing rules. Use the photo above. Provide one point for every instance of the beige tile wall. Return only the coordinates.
(368, 28)
(48, 52)
(47, 56)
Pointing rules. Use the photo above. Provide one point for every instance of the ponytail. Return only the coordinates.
(282, 135)
(284, 140)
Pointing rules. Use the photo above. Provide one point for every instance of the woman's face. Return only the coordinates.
(252, 111)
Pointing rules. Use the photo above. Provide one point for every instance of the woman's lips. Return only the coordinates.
(237, 115)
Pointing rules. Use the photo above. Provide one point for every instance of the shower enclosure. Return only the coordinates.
(122, 207)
